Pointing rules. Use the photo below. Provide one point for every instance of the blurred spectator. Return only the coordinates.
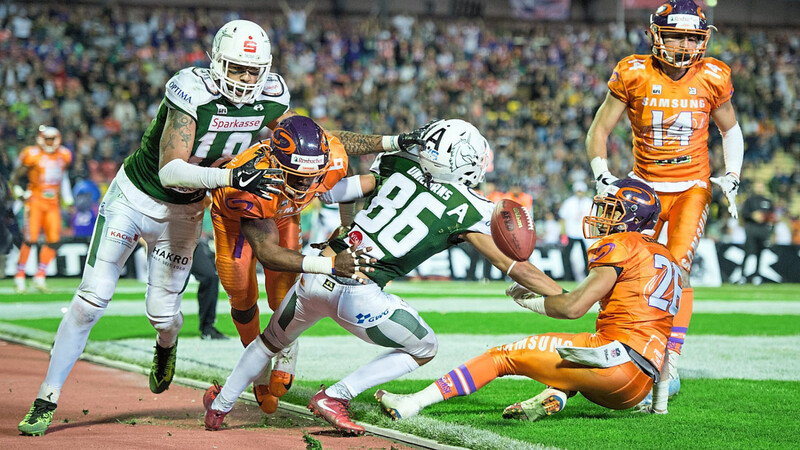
(571, 213)
(758, 216)
(87, 196)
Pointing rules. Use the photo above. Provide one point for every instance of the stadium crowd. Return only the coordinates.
(98, 74)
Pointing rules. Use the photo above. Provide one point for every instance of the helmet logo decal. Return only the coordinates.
(684, 21)
(664, 9)
(250, 45)
(463, 155)
(637, 195)
(309, 160)
(283, 142)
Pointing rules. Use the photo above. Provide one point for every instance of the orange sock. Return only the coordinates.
(680, 324)
(46, 254)
(250, 330)
(468, 377)
(24, 252)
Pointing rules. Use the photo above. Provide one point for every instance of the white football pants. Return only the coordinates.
(170, 244)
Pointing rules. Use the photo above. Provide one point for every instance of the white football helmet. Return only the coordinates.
(455, 152)
(48, 138)
(245, 43)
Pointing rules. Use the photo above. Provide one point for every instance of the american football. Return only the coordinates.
(512, 230)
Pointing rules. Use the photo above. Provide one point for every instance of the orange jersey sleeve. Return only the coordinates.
(670, 119)
(45, 171)
(339, 164)
(639, 309)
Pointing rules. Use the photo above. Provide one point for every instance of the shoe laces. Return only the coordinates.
(164, 363)
(40, 408)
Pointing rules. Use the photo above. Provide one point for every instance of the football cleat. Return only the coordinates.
(266, 401)
(280, 382)
(40, 285)
(19, 284)
(334, 411)
(162, 370)
(547, 403)
(397, 406)
(38, 418)
(214, 418)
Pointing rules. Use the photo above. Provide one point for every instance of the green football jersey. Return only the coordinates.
(223, 129)
(407, 222)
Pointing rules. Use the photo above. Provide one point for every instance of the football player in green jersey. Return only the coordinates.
(208, 115)
(420, 203)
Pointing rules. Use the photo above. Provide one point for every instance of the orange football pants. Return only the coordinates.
(618, 387)
(42, 215)
(686, 213)
(236, 266)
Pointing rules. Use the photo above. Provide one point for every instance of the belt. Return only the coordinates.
(643, 364)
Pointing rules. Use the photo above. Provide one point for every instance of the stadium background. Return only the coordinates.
(532, 85)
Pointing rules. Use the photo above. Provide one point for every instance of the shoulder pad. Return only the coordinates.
(190, 88)
(610, 250)
(275, 90)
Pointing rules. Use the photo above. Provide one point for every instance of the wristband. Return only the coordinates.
(318, 264)
(513, 263)
(390, 143)
(599, 166)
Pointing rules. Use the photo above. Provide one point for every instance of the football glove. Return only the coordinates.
(603, 181)
(20, 193)
(730, 186)
(260, 182)
(408, 140)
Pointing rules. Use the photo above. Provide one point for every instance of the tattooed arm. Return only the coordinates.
(357, 144)
(177, 137)
(175, 148)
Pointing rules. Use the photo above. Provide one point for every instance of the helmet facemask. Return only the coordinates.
(300, 148)
(48, 138)
(679, 57)
(240, 46)
(679, 18)
(627, 205)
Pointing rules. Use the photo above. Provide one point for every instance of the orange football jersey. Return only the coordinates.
(230, 202)
(45, 171)
(670, 119)
(639, 309)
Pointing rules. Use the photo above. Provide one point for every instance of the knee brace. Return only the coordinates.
(244, 316)
(84, 313)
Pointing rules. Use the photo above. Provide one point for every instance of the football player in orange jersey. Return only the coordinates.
(45, 165)
(670, 97)
(312, 162)
(637, 283)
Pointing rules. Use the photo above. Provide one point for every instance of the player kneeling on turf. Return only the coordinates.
(637, 282)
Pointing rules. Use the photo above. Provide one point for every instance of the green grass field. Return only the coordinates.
(741, 388)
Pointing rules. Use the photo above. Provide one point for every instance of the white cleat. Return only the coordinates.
(397, 406)
(40, 285)
(19, 284)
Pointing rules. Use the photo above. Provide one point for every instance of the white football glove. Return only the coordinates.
(730, 186)
(21, 193)
(603, 181)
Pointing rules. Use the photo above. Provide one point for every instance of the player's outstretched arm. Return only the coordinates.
(574, 304)
(524, 273)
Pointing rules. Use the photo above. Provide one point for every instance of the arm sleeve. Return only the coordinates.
(346, 190)
(179, 173)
